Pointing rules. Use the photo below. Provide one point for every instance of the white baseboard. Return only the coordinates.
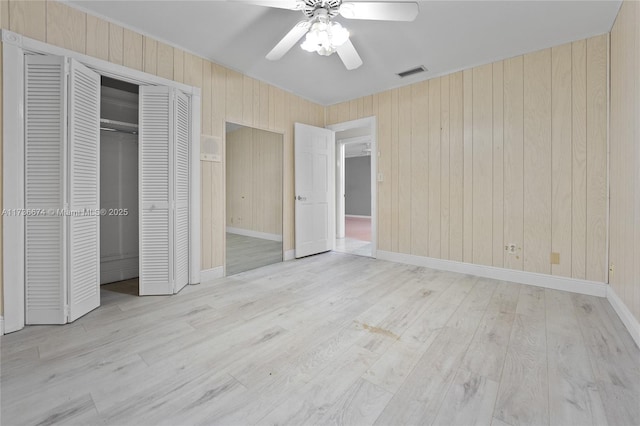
(211, 274)
(627, 318)
(1, 326)
(572, 285)
(289, 255)
(357, 216)
(112, 270)
(254, 234)
(107, 277)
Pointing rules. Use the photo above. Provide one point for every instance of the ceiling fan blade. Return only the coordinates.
(289, 40)
(380, 11)
(284, 4)
(349, 55)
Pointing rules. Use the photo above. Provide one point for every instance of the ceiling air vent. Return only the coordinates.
(412, 71)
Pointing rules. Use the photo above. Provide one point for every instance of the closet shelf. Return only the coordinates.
(119, 126)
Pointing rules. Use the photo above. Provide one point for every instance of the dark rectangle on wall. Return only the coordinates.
(358, 186)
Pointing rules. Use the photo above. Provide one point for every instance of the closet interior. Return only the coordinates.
(119, 225)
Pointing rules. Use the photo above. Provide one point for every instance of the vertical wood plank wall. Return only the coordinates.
(625, 156)
(254, 180)
(226, 95)
(513, 152)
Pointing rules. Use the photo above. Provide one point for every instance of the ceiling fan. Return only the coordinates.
(325, 36)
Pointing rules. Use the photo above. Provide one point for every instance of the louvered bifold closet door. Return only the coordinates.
(45, 289)
(182, 190)
(84, 191)
(155, 183)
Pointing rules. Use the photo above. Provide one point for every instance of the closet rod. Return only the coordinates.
(111, 129)
(118, 126)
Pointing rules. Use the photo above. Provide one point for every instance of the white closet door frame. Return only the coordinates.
(13, 193)
(14, 48)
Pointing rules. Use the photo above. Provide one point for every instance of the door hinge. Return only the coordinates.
(66, 313)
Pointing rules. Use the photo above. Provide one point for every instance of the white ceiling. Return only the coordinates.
(447, 36)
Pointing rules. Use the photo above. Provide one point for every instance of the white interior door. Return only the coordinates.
(84, 191)
(156, 188)
(45, 162)
(314, 189)
(182, 139)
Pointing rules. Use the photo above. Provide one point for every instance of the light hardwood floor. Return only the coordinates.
(246, 253)
(330, 339)
(353, 246)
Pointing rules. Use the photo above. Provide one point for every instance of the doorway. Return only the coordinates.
(357, 199)
(119, 230)
(356, 187)
(254, 161)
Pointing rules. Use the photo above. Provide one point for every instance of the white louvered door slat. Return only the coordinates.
(45, 289)
(182, 190)
(84, 191)
(155, 183)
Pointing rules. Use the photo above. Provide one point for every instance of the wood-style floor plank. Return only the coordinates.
(360, 404)
(469, 401)
(418, 399)
(523, 397)
(485, 356)
(573, 395)
(616, 367)
(324, 390)
(329, 339)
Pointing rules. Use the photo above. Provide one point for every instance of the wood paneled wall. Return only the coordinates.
(625, 156)
(226, 95)
(254, 180)
(513, 152)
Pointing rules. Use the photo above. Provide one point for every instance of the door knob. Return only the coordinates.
(301, 198)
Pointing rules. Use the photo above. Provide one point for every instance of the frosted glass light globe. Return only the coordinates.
(325, 37)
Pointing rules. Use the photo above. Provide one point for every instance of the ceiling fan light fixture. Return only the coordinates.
(324, 37)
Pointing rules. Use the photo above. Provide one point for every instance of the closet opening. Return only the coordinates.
(119, 187)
